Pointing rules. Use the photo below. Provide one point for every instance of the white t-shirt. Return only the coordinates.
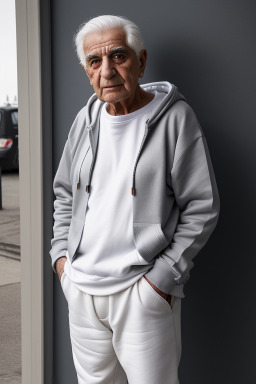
(107, 260)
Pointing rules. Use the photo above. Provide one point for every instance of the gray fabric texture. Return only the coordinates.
(174, 191)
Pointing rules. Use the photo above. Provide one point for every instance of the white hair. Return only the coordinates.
(133, 35)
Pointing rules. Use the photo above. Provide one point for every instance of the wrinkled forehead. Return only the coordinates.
(103, 41)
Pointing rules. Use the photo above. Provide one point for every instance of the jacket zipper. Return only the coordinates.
(92, 164)
(133, 191)
(88, 186)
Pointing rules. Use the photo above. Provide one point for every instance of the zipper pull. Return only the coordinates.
(78, 186)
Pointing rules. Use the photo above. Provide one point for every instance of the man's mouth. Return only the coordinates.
(112, 86)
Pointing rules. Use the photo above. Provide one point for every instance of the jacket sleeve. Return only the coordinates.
(62, 188)
(62, 206)
(197, 198)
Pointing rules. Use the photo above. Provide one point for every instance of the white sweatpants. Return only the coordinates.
(132, 336)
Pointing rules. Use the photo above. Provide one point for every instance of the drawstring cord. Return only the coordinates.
(78, 184)
(133, 189)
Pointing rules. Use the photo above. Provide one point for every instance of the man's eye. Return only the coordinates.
(118, 57)
(94, 62)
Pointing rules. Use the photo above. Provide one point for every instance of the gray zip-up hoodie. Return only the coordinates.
(174, 192)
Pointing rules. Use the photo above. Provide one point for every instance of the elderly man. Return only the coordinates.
(136, 199)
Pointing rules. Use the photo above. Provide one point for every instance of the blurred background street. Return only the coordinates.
(10, 282)
(10, 271)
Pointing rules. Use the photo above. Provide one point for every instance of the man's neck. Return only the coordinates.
(140, 100)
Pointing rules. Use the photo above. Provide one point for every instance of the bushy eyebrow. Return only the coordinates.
(118, 50)
(111, 52)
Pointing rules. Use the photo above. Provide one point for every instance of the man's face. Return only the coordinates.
(112, 67)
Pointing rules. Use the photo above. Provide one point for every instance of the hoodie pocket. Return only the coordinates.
(61, 279)
(158, 297)
(63, 276)
(149, 239)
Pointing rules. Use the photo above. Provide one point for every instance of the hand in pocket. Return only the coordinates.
(169, 298)
(60, 266)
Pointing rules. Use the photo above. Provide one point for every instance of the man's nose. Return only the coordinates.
(107, 68)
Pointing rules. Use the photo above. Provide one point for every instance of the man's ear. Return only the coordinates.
(142, 61)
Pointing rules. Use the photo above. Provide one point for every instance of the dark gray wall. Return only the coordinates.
(207, 49)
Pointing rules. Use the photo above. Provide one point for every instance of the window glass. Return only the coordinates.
(1, 125)
(14, 116)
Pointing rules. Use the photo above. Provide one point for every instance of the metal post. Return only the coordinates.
(0, 188)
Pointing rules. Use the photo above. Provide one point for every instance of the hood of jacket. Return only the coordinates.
(171, 92)
(94, 106)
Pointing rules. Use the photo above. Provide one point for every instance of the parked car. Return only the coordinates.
(9, 157)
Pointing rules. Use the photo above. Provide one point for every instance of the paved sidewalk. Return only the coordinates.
(10, 213)
(10, 331)
(10, 309)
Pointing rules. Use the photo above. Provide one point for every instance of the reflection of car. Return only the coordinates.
(9, 158)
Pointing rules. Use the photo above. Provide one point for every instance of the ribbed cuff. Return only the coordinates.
(59, 250)
(162, 276)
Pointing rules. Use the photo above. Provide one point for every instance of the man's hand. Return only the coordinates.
(60, 266)
(166, 296)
